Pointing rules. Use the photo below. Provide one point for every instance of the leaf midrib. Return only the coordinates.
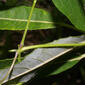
(25, 20)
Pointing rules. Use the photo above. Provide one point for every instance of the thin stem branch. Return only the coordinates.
(21, 43)
(50, 45)
(28, 23)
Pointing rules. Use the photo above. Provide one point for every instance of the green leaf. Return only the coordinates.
(64, 67)
(73, 10)
(27, 69)
(16, 19)
(5, 63)
(69, 64)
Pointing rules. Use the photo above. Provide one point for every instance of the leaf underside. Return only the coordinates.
(40, 57)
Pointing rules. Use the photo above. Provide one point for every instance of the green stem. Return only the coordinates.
(50, 45)
(25, 32)
(28, 23)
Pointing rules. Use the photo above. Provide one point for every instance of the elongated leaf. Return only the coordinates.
(16, 19)
(64, 67)
(5, 63)
(38, 58)
(73, 9)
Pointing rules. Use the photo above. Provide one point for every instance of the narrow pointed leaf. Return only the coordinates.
(16, 19)
(69, 64)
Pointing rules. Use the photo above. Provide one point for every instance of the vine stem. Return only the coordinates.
(28, 23)
(52, 45)
(21, 43)
(49, 46)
